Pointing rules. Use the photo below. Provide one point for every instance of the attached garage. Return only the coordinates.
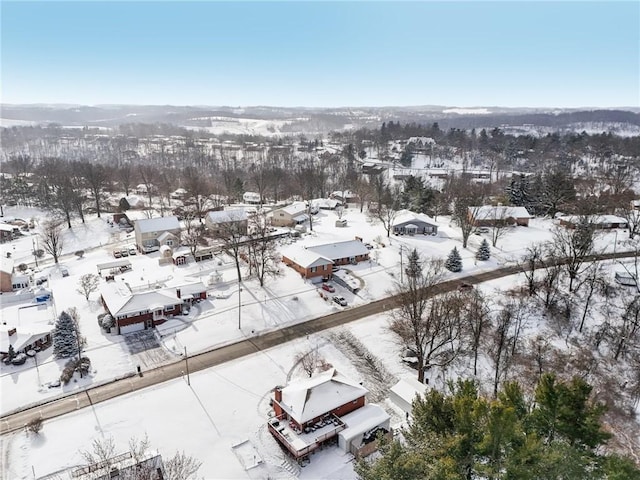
(134, 327)
(362, 424)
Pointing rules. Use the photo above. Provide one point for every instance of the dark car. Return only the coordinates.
(465, 287)
(340, 300)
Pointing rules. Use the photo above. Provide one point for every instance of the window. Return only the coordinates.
(168, 308)
(314, 269)
(170, 243)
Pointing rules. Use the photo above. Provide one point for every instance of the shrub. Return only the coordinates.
(81, 366)
(80, 253)
(35, 425)
(22, 267)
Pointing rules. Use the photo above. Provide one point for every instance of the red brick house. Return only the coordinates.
(139, 311)
(601, 222)
(318, 260)
(324, 409)
(491, 216)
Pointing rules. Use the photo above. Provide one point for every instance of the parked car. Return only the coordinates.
(483, 230)
(328, 287)
(133, 251)
(64, 271)
(340, 300)
(465, 287)
(369, 246)
(124, 252)
(117, 254)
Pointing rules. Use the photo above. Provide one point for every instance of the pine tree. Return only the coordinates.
(414, 265)
(484, 252)
(454, 261)
(11, 353)
(65, 337)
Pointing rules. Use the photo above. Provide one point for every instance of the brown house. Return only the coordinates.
(601, 222)
(318, 260)
(492, 216)
(6, 274)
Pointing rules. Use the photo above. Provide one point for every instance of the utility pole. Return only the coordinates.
(186, 361)
(239, 307)
(401, 267)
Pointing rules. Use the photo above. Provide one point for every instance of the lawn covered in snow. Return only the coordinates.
(226, 405)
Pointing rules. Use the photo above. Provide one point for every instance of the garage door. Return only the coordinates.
(135, 327)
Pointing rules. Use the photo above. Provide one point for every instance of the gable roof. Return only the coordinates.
(305, 258)
(158, 224)
(346, 249)
(320, 394)
(500, 212)
(294, 209)
(6, 265)
(227, 216)
(404, 216)
(120, 300)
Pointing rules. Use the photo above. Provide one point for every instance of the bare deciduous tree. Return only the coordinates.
(51, 238)
(262, 255)
(87, 284)
(573, 246)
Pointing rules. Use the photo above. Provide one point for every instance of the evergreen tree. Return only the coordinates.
(518, 191)
(484, 252)
(123, 205)
(454, 261)
(414, 265)
(11, 353)
(65, 337)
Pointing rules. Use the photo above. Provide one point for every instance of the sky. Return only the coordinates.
(322, 54)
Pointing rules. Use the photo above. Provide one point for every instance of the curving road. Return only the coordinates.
(241, 348)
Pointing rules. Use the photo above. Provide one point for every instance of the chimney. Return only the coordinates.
(178, 293)
(278, 394)
(11, 331)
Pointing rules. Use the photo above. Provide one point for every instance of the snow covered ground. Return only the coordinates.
(226, 405)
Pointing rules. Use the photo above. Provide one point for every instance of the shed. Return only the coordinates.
(403, 393)
(359, 423)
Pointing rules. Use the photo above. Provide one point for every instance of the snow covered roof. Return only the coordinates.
(295, 208)
(595, 219)
(226, 216)
(500, 212)
(320, 394)
(159, 224)
(120, 300)
(407, 388)
(5, 227)
(326, 203)
(304, 257)
(404, 216)
(114, 264)
(189, 288)
(165, 235)
(346, 249)
(362, 420)
(21, 338)
(6, 265)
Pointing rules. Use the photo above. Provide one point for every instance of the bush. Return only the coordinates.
(107, 322)
(22, 267)
(80, 253)
(35, 425)
(81, 366)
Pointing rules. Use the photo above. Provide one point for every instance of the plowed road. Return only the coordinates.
(217, 356)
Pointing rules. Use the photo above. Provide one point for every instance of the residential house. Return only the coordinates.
(6, 232)
(6, 274)
(222, 222)
(318, 260)
(134, 311)
(410, 223)
(345, 196)
(325, 203)
(124, 466)
(290, 216)
(179, 194)
(151, 233)
(322, 410)
(251, 198)
(601, 222)
(500, 215)
(29, 328)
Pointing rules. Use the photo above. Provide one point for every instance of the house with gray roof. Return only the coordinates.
(411, 223)
(151, 233)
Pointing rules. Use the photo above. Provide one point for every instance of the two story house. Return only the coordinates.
(151, 233)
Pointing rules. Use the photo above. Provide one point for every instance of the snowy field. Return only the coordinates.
(226, 405)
